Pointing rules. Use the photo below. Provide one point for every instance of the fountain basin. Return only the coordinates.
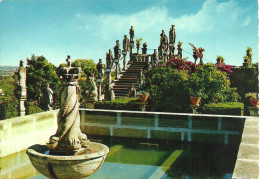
(79, 166)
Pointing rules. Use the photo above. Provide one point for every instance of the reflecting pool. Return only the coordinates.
(134, 158)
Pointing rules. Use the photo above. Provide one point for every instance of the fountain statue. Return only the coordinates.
(69, 154)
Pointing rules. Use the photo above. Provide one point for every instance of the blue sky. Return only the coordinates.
(87, 29)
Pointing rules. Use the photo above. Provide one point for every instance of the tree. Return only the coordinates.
(39, 73)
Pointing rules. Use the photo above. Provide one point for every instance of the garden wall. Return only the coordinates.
(17, 134)
(166, 126)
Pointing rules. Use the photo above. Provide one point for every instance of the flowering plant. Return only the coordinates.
(180, 64)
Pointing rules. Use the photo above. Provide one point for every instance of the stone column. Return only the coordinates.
(22, 85)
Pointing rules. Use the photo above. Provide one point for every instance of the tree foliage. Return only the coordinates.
(39, 73)
(170, 88)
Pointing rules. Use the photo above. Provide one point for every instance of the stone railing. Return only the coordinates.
(167, 126)
(17, 134)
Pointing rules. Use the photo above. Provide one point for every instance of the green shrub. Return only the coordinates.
(169, 90)
(32, 108)
(118, 104)
(9, 108)
(231, 108)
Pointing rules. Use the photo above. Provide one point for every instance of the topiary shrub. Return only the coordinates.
(231, 108)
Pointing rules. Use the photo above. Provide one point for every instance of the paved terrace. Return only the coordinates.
(247, 164)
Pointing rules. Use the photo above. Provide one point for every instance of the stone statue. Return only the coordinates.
(154, 58)
(109, 59)
(117, 50)
(93, 91)
(141, 79)
(126, 43)
(22, 77)
(132, 34)
(132, 91)
(160, 52)
(144, 49)
(162, 37)
(68, 139)
(100, 69)
(172, 35)
(22, 85)
(47, 98)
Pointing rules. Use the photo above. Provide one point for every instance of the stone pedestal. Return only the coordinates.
(195, 109)
(22, 107)
(143, 106)
(91, 104)
(253, 111)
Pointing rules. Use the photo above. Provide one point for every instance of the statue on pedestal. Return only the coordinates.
(126, 43)
(132, 34)
(132, 91)
(47, 98)
(154, 58)
(109, 59)
(117, 50)
(172, 35)
(144, 49)
(100, 69)
(92, 95)
(22, 85)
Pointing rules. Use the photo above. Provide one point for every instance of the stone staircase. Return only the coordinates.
(131, 75)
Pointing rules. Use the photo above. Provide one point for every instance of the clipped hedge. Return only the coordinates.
(119, 104)
(231, 108)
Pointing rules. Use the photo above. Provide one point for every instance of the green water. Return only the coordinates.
(141, 159)
(162, 159)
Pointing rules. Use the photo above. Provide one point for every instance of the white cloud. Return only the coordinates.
(213, 18)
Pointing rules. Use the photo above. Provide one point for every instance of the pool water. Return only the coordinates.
(141, 159)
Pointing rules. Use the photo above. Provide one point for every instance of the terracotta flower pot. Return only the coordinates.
(254, 102)
(143, 97)
(195, 100)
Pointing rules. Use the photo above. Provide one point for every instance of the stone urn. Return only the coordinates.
(143, 97)
(254, 102)
(195, 100)
(68, 154)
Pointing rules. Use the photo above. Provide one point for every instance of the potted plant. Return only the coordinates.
(143, 95)
(195, 96)
(253, 99)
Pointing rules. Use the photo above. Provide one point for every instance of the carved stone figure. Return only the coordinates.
(93, 91)
(100, 69)
(132, 34)
(47, 98)
(22, 77)
(117, 50)
(125, 43)
(162, 36)
(109, 59)
(154, 58)
(22, 85)
(68, 138)
(132, 91)
(144, 49)
(172, 35)
(141, 79)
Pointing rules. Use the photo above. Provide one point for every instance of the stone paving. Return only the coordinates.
(247, 164)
